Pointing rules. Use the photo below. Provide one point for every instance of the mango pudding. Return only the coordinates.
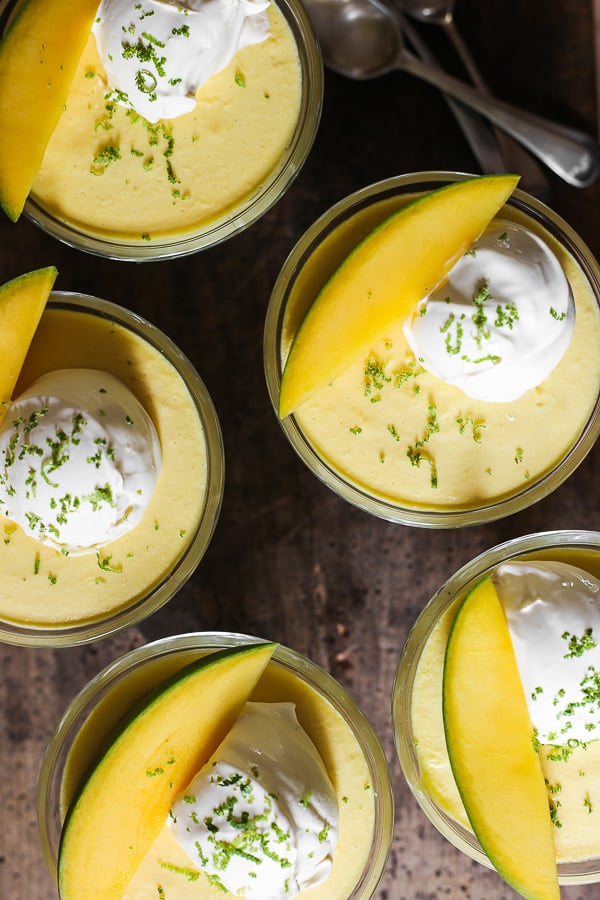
(167, 126)
(211, 764)
(420, 349)
(497, 710)
(111, 475)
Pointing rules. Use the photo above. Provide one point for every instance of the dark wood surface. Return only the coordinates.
(289, 560)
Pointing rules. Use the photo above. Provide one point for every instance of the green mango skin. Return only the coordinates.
(153, 754)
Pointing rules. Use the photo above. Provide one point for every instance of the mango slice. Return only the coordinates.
(383, 279)
(22, 303)
(490, 742)
(39, 53)
(125, 801)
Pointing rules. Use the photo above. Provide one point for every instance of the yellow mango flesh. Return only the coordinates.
(383, 279)
(126, 799)
(490, 742)
(39, 53)
(22, 302)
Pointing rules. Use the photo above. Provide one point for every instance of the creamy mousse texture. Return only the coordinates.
(552, 609)
(176, 116)
(171, 49)
(79, 460)
(103, 473)
(285, 807)
(481, 391)
(502, 321)
(261, 816)
(553, 615)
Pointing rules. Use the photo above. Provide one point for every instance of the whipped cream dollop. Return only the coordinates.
(502, 320)
(157, 53)
(553, 614)
(261, 817)
(79, 460)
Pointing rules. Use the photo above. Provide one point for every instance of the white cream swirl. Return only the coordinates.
(79, 460)
(553, 614)
(261, 817)
(156, 54)
(503, 319)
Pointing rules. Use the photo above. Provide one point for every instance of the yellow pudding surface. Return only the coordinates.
(41, 587)
(109, 172)
(573, 782)
(403, 435)
(166, 870)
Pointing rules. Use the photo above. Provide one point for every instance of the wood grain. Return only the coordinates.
(289, 560)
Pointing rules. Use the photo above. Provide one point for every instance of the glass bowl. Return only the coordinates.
(138, 573)
(238, 215)
(582, 548)
(97, 708)
(313, 260)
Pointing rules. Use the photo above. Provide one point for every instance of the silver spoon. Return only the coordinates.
(515, 158)
(361, 39)
(441, 12)
(479, 133)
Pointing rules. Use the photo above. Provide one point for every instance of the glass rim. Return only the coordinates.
(389, 510)
(290, 660)
(184, 566)
(260, 202)
(459, 583)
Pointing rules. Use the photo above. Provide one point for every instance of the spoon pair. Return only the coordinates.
(361, 39)
(508, 155)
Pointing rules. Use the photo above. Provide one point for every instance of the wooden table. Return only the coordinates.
(289, 560)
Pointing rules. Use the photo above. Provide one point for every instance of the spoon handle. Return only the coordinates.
(515, 157)
(475, 129)
(569, 153)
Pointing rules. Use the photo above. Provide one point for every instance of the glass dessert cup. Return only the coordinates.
(231, 217)
(95, 710)
(313, 260)
(581, 548)
(75, 331)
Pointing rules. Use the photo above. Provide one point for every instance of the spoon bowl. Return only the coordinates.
(438, 12)
(357, 38)
(361, 39)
